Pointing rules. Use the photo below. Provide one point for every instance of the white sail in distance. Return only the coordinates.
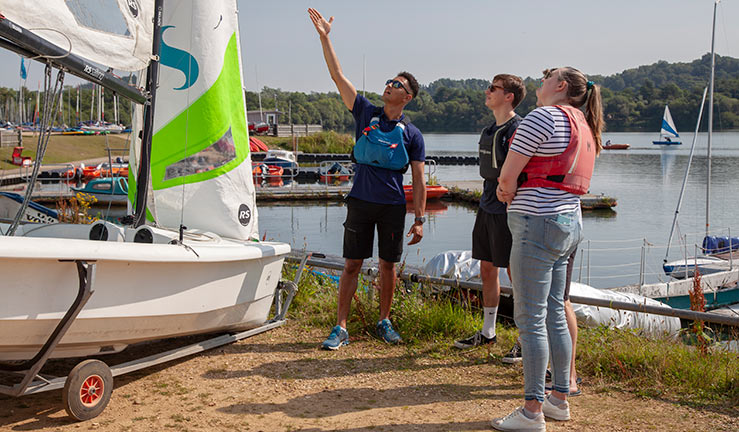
(668, 125)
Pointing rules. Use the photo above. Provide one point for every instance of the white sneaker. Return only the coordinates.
(517, 421)
(556, 412)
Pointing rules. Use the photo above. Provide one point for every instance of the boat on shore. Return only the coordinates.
(432, 192)
(11, 202)
(188, 260)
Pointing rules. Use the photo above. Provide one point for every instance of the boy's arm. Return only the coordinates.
(346, 89)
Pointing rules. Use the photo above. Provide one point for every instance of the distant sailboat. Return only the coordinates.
(668, 134)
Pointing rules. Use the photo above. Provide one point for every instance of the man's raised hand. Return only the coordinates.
(323, 27)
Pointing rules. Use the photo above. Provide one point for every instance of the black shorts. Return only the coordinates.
(491, 238)
(359, 229)
(570, 264)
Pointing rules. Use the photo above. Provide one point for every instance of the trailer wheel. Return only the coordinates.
(87, 390)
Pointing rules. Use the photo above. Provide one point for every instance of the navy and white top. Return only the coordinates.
(375, 184)
(544, 132)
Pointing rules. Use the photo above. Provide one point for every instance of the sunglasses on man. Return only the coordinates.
(396, 84)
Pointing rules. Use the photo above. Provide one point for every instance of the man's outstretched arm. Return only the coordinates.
(346, 89)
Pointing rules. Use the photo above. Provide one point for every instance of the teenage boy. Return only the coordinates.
(491, 238)
(376, 198)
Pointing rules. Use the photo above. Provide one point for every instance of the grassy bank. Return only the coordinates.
(68, 148)
(322, 142)
(608, 359)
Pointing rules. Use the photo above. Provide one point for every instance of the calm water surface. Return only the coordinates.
(645, 180)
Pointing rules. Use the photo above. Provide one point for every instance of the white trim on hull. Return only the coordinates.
(141, 291)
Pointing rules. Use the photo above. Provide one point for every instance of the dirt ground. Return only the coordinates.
(281, 381)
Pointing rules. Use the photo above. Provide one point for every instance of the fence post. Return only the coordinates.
(731, 252)
(685, 253)
(641, 263)
(588, 262)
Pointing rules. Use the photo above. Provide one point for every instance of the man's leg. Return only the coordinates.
(390, 231)
(387, 287)
(490, 297)
(347, 288)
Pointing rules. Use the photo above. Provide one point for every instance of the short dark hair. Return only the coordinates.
(411, 82)
(512, 84)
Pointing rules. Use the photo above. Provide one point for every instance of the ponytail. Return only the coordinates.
(594, 116)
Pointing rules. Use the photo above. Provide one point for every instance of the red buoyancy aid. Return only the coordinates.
(570, 171)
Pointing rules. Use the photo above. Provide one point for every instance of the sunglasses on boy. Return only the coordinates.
(396, 84)
(492, 87)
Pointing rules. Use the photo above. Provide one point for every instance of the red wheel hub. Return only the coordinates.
(92, 390)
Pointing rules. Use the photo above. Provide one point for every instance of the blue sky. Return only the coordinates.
(462, 39)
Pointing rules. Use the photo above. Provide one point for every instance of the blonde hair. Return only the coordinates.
(581, 92)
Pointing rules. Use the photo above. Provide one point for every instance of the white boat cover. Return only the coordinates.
(460, 265)
(113, 33)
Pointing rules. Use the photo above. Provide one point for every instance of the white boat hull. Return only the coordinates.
(141, 291)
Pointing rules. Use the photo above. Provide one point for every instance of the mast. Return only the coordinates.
(710, 121)
(152, 78)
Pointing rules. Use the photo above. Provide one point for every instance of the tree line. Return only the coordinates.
(633, 100)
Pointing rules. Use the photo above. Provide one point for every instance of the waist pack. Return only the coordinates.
(382, 149)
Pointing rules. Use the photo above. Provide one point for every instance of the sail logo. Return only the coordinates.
(133, 7)
(180, 60)
(244, 214)
(94, 72)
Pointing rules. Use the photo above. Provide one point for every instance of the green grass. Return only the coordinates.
(67, 148)
(322, 142)
(651, 367)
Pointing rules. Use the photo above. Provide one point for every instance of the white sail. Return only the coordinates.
(200, 164)
(668, 126)
(114, 33)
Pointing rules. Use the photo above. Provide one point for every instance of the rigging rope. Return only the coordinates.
(51, 111)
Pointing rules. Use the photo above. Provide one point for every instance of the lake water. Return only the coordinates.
(645, 179)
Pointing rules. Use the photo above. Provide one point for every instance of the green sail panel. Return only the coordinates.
(200, 162)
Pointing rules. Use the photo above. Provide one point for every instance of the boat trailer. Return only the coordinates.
(88, 387)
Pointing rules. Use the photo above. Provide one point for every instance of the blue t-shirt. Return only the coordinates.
(375, 184)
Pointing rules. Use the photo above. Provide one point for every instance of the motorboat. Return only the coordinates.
(432, 192)
(283, 158)
(334, 172)
(109, 190)
(612, 146)
(187, 259)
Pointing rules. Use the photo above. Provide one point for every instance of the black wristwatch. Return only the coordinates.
(420, 220)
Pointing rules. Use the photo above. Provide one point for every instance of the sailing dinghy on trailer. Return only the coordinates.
(190, 262)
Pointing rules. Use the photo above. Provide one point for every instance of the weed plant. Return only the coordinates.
(607, 358)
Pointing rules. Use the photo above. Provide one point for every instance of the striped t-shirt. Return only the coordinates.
(543, 132)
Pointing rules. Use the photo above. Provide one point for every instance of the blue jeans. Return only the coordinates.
(541, 246)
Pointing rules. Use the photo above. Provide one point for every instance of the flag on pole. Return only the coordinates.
(24, 74)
